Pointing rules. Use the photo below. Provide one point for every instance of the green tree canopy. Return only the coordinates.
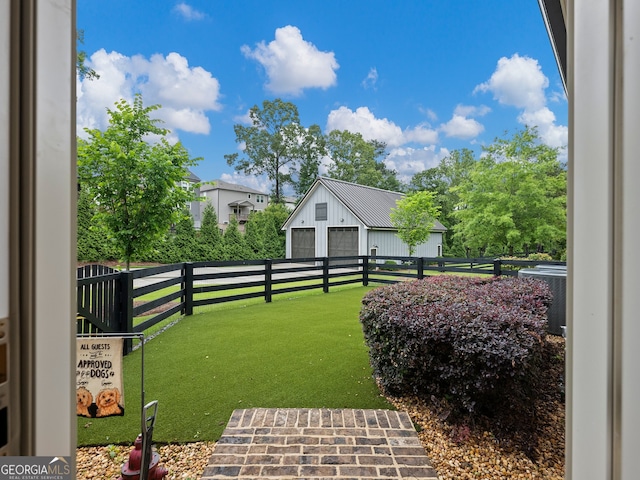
(82, 69)
(234, 245)
(92, 242)
(263, 232)
(414, 217)
(443, 180)
(135, 182)
(209, 236)
(357, 160)
(514, 198)
(274, 144)
(313, 148)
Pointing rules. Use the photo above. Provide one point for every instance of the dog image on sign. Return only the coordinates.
(99, 391)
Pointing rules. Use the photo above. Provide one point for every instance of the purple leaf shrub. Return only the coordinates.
(479, 342)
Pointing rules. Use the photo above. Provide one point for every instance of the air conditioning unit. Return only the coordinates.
(556, 278)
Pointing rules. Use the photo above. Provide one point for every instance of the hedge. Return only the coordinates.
(479, 342)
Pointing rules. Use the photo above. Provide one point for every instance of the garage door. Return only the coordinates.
(303, 242)
(343, 241)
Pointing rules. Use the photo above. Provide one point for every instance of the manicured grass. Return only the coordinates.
(298, 352)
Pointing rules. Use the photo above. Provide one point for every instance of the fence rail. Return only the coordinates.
(112, 301)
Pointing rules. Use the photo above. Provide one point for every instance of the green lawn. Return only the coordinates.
(294, 352)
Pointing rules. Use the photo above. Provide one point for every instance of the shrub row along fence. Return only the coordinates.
(111, 301)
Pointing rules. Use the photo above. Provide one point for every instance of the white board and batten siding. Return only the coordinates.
(354, 220)
(337, 216)
(387, 242)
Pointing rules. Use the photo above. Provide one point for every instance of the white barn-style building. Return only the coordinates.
(337, 218)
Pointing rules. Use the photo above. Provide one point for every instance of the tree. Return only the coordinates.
(263, 232)
(514, 198)
(209, 236)
(414, 217)
(443, 180)
(184, 239)
(312, 149)
(357, 160)
(273, 144)
(135, 182)
(234, 245)
(92, 244)
(81, 57)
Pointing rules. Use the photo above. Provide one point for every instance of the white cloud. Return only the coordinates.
(405, 160)
(550, 133)
(471, 110)
(519, 82)
(173, 83)
(422, 134)
(185, 119)
(371, 79)
(244, 118)
(430, 114)
(363, 121)
(409, 161)
(462, 127)
(293, 64)
(185, 93)
(188, 12)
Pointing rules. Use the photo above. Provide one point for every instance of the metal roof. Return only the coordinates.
(371, 205)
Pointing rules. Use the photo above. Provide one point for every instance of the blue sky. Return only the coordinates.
(424, 76)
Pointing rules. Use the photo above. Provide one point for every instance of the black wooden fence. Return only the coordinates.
(109, 300)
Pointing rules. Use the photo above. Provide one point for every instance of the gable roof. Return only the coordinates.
(192, 177)
(370, 205)
(221, 185)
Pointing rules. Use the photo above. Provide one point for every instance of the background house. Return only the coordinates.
(231, 200)
(192, 183)
(337, 218)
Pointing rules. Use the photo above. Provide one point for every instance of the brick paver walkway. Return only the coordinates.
(319, 443)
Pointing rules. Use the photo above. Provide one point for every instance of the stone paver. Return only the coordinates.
(319, 443)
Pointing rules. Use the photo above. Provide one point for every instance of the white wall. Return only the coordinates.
(603, 397)
(55, 213)
(337, 216)
(389, 243)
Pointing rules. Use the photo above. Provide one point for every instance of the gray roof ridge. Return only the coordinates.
(321, 178)
(217, 183)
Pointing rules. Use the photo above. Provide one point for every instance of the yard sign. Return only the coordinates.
(99, 386)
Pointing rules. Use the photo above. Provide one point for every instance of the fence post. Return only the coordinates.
(420, 267)
(325, 274)
(126, 307)
(365, 270)
(188, 289)
(497, 267)
(268, 273)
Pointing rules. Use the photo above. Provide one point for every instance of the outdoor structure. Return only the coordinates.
(231, 200)
(192, 183)
(337, 218)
